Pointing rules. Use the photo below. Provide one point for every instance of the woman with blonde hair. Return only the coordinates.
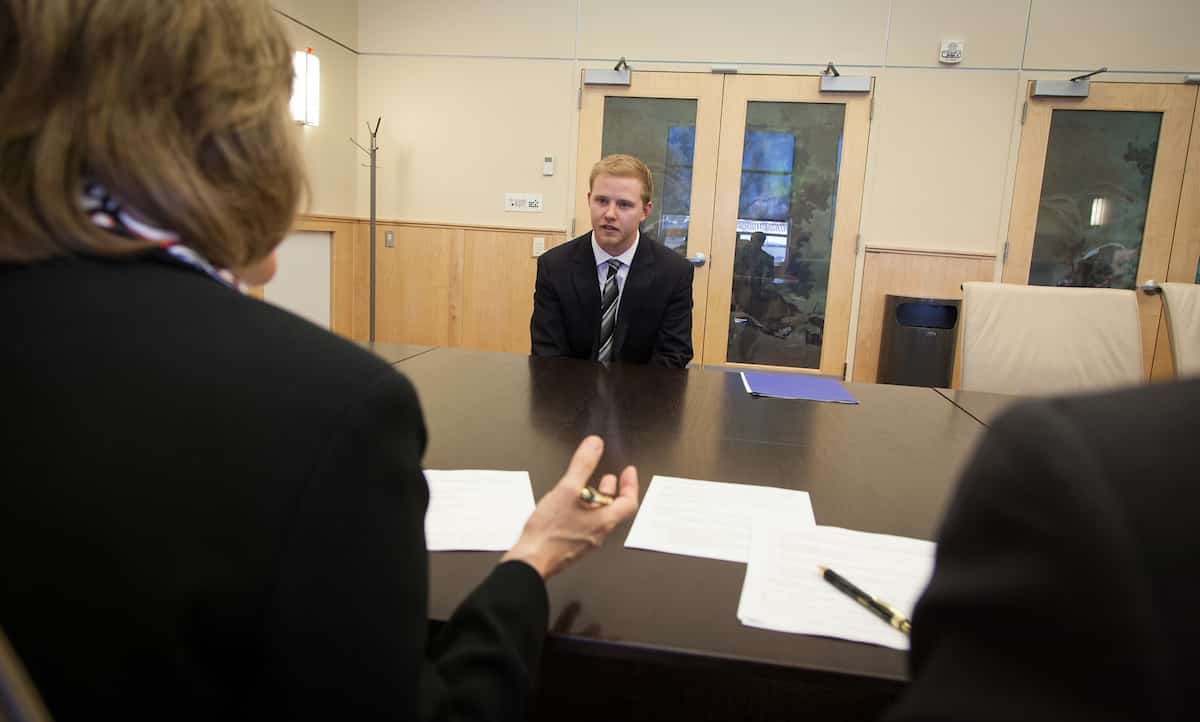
(212, 508)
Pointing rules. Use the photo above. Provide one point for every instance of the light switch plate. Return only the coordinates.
(547, 165)
(389, 239)
(539, 246)
(523, 202)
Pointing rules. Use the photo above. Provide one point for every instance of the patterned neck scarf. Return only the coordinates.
(108, 213)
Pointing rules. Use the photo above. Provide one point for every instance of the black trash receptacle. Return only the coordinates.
(919, 334)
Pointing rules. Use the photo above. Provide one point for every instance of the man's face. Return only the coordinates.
(617, 210)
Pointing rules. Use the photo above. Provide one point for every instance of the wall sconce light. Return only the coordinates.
(306, 88)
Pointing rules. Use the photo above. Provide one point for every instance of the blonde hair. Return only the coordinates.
(624, 166)
(177, 107)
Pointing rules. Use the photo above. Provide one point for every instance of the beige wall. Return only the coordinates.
(458, 133)
(528, 29)
(473, 93)
(939, 155)
(331, 160)
(1156, 36)
(994, 31)
(851, 32)
(338, 19)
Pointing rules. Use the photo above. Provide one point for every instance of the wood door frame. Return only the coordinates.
(1177, 104)
(1185, 247)
(740, 90)
(342, 301)
(342, 298)
(707, 90)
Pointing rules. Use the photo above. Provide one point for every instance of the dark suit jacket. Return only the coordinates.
(1066, 579)
(654, 320)
(213, 509)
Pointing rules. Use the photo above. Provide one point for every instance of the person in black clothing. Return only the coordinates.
(213, 509)
(614, 294)
(753, 271)
(1064, 587)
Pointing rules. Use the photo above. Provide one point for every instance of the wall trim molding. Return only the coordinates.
(324, 217)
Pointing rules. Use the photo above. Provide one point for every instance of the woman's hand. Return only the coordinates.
(562, 527)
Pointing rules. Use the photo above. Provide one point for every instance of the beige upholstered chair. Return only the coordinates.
(1182, 304)
(19, 701)
(1038, 340)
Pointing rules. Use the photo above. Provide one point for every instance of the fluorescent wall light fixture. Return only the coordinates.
(306, 88)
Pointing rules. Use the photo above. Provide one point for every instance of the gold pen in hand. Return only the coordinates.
(593, 496)
(877, 607)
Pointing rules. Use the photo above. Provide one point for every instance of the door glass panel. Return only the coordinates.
(1095, 192)
(662, 133)
(791, 155)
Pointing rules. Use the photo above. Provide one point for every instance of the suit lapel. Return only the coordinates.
(637, 285)
(587, 288)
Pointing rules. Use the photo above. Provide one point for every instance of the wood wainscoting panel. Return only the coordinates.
(416, 283)
(499, 270)
(456, 286)
(929, 274)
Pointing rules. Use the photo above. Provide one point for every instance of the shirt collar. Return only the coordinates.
(625, 258)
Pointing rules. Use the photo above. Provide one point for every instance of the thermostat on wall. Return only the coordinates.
(952, 52)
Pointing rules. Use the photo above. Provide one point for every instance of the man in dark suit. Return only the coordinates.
(1065, 585)
(613, 294)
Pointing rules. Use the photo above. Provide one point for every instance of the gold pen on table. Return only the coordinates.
(593, 496)
(877, 607)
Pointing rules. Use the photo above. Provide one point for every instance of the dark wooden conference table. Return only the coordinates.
(645, 635)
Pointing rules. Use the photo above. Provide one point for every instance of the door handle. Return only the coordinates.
(697, 260)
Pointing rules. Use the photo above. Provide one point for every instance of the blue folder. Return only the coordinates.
(796, 386)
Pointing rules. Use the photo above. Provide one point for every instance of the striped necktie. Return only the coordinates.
(608, 311)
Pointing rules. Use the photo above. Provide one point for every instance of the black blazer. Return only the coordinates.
(654, 320)
(213, 509)
(1065, 586)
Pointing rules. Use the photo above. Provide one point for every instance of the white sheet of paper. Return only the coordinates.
(473, 509)
(785, 592)
(712, 518)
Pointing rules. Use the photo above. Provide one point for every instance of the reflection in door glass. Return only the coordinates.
(791, 156)
(662, 132)
(1095, 192)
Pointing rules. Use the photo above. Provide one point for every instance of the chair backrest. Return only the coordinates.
(19, 700)
(1039, 340)
(1182, 303)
